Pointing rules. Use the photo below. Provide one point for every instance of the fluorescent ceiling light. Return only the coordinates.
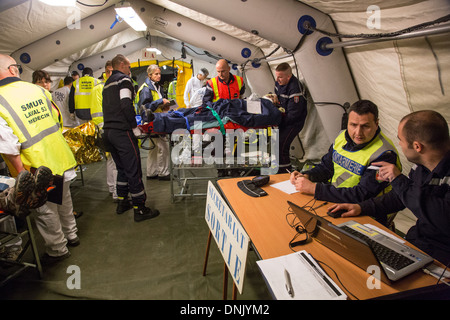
(153, 50)
(60, 3)
(127, 13)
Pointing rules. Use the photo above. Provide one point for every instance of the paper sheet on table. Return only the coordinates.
(285, 186)
(308, 283)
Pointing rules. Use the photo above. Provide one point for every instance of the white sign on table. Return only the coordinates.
(229, 234)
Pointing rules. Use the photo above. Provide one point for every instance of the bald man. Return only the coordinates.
(30, 138)
(225, 85)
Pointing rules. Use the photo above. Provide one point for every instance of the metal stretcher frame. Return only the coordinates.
(22, 265)
(178, 172)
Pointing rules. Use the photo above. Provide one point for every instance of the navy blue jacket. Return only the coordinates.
(367, 187)
(146, 98)
(427, 195)
(118, 108)
(234, 110)
(292, 100)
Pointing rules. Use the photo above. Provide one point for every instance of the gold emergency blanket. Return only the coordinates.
(82, 141)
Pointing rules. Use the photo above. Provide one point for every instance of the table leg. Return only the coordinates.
(208, 244)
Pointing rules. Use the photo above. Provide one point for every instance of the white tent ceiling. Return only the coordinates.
(399, 76)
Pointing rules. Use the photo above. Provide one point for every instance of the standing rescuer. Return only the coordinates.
(193, 85)
(150, 97)
(291, 97)
(30, 138)
(120, 130)
(225, 85)
(80, 97)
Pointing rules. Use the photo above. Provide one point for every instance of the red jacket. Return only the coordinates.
(220, 90)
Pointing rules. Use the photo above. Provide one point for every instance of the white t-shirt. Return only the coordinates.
(197, 98)
(9, 143)
(193, 85)
(61, 98)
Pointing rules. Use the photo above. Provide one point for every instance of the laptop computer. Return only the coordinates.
(364, 246)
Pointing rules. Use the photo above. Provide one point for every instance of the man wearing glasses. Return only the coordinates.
(29, 138)
(17, 66)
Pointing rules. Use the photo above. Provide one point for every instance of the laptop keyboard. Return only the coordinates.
(386, 255)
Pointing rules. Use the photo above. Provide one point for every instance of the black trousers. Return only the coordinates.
(124, 149)
(286, 135)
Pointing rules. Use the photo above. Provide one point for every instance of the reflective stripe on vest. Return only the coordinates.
(83, 90)
(96, 104)
(30, 118)
(350, 166)
(172, 93)
(155, 96)
(223, 91)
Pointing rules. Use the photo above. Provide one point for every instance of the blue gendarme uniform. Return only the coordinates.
(294, 103)
(427, 195)
(119, 120)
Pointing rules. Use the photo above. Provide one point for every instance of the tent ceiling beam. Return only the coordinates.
(415, 34)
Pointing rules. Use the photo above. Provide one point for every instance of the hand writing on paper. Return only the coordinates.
(304, 185)
(294, 175)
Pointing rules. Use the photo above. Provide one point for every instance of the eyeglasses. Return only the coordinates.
(18, 66)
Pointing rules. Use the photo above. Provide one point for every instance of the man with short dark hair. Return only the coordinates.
(291, 95)
(61, 98)
(108, 70)
(347, 163)
(120, 131)
(80, 97)
(75, 75)
(425, 141)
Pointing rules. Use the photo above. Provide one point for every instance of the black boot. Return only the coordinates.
(142, 213)
(123, 205)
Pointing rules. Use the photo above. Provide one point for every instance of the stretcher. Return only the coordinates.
(216, 141)
(195, 160)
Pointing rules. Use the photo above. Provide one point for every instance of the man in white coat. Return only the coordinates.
(193, 85)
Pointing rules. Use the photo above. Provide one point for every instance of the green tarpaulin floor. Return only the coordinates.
(158, 259)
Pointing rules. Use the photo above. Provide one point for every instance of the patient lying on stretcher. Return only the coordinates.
(224, 113)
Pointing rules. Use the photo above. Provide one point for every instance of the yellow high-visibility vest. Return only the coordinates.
(350, 166)
(172, 92)
(83, 96)
(96, 104)
(155, 96)
(28, 111)
(223, 91)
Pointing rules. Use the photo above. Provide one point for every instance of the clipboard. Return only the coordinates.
(54, 195)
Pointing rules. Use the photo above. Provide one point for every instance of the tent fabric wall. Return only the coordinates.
(383, 72)
(400, 76)
(32, 20)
